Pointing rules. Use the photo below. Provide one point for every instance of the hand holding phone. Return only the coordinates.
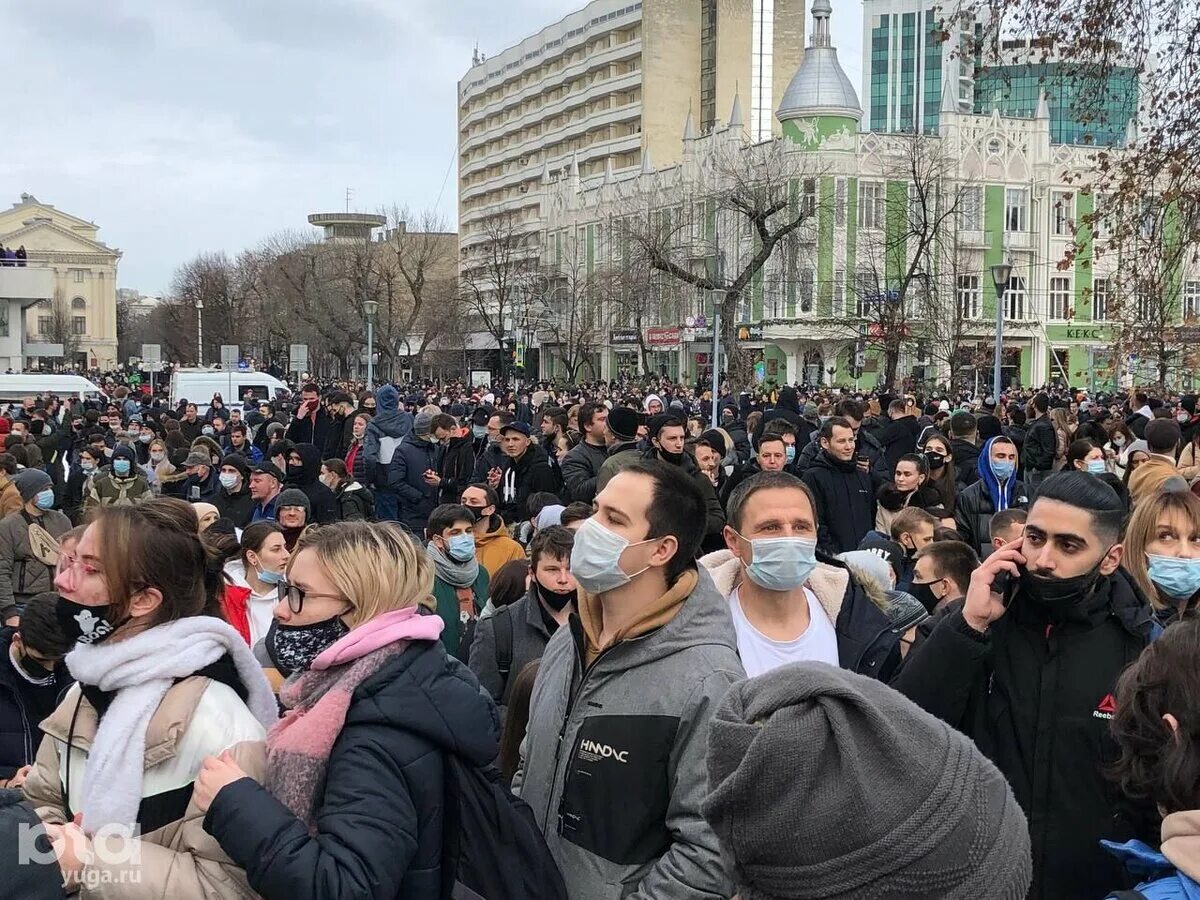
(992, 586)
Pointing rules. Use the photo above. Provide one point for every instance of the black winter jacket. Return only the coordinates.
(528, 474)
(866, 445)
(899, 437)
(379, 819)
(973, 514)
(318, 430)
(1041, 444)
(458, 464)
(529, 635)
(845, 503)
(324, 507)
(1036, 698)
(237, 507)
(406, 476)
(580, 469)
(966, 462)
(22, 708)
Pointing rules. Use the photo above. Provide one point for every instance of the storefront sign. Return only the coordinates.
(696, 336)
(663, 337)
(623, 336)
(750, 332)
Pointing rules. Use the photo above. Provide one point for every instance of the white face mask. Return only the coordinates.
(596, 558)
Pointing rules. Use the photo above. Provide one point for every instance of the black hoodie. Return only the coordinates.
(308, 479)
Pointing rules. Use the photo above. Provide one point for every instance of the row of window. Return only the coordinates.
(45, 325)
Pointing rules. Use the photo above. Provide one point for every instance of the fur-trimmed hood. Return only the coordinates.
(828, 581)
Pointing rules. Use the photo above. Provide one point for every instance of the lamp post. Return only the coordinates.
(718, 299)
(370, 307)
(1001, 273)
(199, 333)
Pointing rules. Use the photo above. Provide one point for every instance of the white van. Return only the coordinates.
(15, 387)
(198, 386)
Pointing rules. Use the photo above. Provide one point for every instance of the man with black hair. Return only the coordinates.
(613, 759)
(517, 634)
(491, 457)
(460, 583)
(1140, 414)
(1026, 665)
(667, 433)
(771, 456)
(581, 467)
(1041, 443)
(964, 448)
(900, 434)
(311, 423)
(493, 546)
(1163, 437)
(942, 573)
(842, 490)
(525, 472)
(867, 450)
(32, 678)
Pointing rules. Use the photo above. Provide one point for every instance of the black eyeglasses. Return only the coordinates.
(295, 596)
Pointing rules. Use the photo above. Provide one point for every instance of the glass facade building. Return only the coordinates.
(1083, 109)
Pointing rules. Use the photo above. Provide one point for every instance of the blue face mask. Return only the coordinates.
(1096, 467)
(120, 467)
(1174, 576)
(479, 430)
(791, 452)
(44, 499)
(267, 577)
(781, 564)
(461, 547)
(596, 558)
(1002, 470)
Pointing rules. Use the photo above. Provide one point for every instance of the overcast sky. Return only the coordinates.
(181, 126)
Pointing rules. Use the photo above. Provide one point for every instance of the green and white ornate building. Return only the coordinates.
(809, 311)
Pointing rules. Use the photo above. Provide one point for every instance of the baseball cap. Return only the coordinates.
(522, 427)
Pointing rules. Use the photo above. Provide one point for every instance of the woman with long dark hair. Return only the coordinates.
(163, 682)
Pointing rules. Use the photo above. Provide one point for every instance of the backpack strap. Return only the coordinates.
(502, 628)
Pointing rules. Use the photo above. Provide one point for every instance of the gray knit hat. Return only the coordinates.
(31, 482)
(826, 784)
(294, 497)
(423, 424)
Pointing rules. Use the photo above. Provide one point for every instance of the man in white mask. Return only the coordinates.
(788, 603)
(613, 760)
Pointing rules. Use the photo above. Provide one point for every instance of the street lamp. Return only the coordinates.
(199, 333)
(1001, 273)
(370, 307)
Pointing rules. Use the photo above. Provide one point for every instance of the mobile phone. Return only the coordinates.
(1004, 585)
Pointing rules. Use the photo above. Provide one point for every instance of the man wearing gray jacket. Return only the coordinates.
(613, 763)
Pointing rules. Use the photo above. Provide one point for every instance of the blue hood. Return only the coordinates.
(1001, 499)
(389, 419)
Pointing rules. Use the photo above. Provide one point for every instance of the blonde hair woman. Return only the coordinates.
(1162, 552)
(1060, 418)
(374, 706)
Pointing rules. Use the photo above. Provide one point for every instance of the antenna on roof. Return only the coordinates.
(349, 192)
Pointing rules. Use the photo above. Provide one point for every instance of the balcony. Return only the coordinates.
(28, 284)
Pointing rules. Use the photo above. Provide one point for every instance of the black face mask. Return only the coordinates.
(923, 591)
(84, 624)
(292, 648)
(936, 461)
(1058, 596)
(675, 459)
(34, 669)
(553, 599)
(294, 472)
(476, 511)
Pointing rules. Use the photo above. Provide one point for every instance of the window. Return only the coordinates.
(839, 292)
(78, 303)
(1061, 213)
(1146, 306)
(806, 290)
(917, 212)
(79, 325)
(871, 212)
(1016, 209)
(43, 326)
(1060, 298)
(1191, 299)
(810, 197)
(78, 273)
(1014, 298)
(969, 295)
(866, 290)
(1101, 291)
(839, 203)
(971, 209)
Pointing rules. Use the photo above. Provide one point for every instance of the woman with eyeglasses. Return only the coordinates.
(163, 682)
(353, 799)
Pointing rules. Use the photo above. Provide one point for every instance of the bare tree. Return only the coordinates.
(758, 195)
(898, 288)
(1156, 41)
(56, 326)
(566, 308)
(497, 273)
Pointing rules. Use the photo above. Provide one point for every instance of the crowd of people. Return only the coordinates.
(583, 643)
(11, 257)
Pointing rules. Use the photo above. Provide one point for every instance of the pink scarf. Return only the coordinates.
(298, 747)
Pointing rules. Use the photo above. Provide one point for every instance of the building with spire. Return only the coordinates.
(814, 313)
